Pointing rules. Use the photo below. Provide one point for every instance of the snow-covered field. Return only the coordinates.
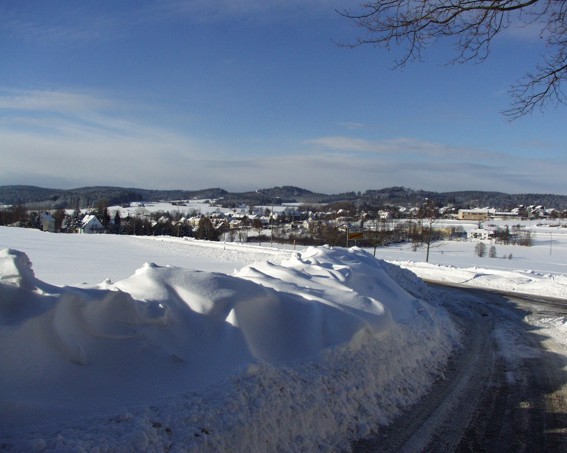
(151, 344)
(540, 269)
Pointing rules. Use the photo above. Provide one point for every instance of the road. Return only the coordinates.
(505, 390)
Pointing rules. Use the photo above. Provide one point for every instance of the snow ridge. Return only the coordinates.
(307, 354)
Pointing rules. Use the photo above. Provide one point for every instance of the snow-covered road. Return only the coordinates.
(505, 390)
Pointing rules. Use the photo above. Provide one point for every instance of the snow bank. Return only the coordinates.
(308, 354)
(16, 269)
(520, 281)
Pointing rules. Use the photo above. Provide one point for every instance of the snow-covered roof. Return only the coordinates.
(90, 219)
(46, 217)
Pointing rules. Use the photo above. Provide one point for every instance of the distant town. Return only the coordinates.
(338, 222)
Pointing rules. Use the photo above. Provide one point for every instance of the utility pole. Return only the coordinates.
(271, 227)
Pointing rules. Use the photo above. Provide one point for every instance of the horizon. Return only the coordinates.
(279, 187)
(258, 94)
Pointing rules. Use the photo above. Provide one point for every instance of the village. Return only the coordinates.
(335, 224)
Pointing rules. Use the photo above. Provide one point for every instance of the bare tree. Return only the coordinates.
(423, 232)
(259, 227)
(480, 249)
(473, 24)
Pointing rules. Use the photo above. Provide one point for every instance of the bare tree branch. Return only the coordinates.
(472, 24)
(537, 91)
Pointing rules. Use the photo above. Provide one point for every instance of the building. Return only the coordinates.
(47, 222)
(480, 234)
(91, 225)
(477, 215)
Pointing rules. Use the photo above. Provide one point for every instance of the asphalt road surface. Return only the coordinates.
(504, 391)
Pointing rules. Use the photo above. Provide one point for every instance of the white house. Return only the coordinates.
(480, 233)
(47, 222)
(90, 224)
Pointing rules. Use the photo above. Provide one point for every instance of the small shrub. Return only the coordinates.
(480, 249)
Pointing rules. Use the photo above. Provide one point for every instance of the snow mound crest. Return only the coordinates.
(16, 269)
(169, 331)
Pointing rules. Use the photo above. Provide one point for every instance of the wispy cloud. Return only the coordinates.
(52, 101)
(67, 139)
(344, 143)
(395, 146)
(351, 125)
(77, 24)
(71, 27)
(206, 11)
(82, 137)
(334, 173)
(68, 113)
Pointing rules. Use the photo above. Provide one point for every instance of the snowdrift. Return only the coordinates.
(517, 281)
(312, 352)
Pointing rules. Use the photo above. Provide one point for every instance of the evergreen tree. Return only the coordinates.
(206, 230)
(117, 222)
(102, 213)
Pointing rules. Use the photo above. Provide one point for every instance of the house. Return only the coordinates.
(47, 222)
(504, 215)
(480, 234)
(91, 225)
(478, 215)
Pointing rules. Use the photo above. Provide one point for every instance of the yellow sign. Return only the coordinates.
(357, 235)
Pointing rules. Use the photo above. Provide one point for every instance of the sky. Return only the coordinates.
(250, 94)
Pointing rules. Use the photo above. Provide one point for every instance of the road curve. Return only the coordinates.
(504, 390)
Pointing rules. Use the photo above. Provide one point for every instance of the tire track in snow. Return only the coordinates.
(506, 390)
(442, 417)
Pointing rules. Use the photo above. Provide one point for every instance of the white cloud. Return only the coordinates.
(65, 139)
(162, 160)
(351, 125)
(82, 137)
(71, 114)
(334, 173)
(52, 101)
(343, 143)
(396, 146)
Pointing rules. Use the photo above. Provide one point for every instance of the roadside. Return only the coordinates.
(505, 390)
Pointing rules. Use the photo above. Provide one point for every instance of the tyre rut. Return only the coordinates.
(504, 390)
(441, 418)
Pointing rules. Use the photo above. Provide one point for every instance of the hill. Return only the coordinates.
(85, 197)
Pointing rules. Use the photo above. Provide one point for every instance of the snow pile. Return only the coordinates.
(16, 269)
(520, 281)
(308, 354)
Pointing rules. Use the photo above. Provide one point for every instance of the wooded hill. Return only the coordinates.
(43, 198)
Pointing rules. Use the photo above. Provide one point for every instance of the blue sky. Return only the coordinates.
(191, 94)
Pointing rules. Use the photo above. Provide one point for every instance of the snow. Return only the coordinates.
(151, 344)
(93, 258)
(539, 270)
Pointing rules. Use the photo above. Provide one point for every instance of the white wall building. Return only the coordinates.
(90, 225)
